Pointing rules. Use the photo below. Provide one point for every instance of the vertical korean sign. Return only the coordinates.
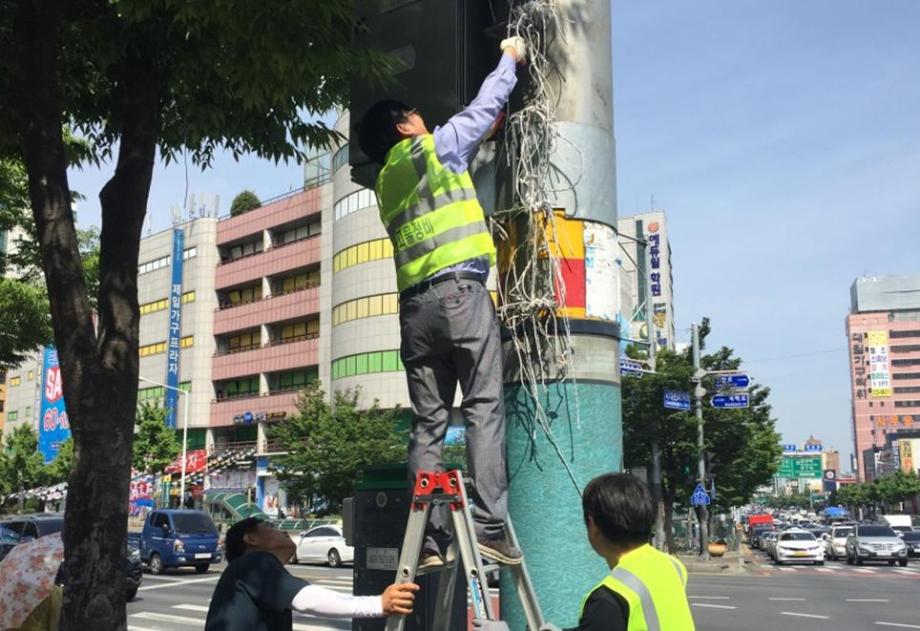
(175, 325)
(53, 427)
(879, 377)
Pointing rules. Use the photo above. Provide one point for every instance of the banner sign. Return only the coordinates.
(879, 376)
(196, 461)
(53, 424)
(175, 325)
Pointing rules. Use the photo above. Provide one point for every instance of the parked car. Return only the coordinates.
(798, 545)
(768, 542)
(871, 542)
(324, 544)
(179, 538)
(756, 535)
(902, 530)
(912, 541)
(835, 542)
(18, 529)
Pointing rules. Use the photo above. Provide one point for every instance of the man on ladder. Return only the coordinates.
(443, 251)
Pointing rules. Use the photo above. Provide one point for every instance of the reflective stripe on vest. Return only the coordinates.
(634, 583)
(431, 214)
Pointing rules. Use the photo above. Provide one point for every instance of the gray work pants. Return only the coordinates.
(449, 336)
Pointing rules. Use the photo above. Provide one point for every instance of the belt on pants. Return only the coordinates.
(425, 285)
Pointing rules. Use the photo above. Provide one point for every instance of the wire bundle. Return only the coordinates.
(532, 290)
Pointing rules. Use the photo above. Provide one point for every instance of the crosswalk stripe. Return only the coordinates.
(903, 571)
(824, 569)
(132, 627)
(165, 617)
(185, 607)
(863, 570)
(786, 569)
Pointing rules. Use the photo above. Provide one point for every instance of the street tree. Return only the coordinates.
(138, 77)
(156, 446)
(328, 443)
(22, 467)
(58, 469)
(742, 446)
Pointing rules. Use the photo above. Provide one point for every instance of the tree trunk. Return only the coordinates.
(99, 369)
(667, 500)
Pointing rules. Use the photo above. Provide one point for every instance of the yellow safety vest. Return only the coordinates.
(654, 585)
(431, 213)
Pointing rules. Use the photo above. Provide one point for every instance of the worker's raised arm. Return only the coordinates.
(457, 139)
(326, 603)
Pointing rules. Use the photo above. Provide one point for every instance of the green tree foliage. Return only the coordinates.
(156, 446)
(883, 494)
(327, 443)
(139, 78)
(21, 466)
(743, 444)
(244, 202)
(58, 469)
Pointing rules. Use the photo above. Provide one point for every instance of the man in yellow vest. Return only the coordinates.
(646, 590)
(443, 251)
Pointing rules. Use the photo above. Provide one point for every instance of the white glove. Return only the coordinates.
(517, 43)
(489, 625)
(549, 627)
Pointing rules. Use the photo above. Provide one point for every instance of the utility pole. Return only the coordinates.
(700, 444)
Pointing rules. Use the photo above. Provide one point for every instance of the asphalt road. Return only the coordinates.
(178, 601)
(834, 597)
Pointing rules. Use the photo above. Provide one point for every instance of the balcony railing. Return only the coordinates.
(255, 347)
(271, 249)
(291, 340)
(277, 294)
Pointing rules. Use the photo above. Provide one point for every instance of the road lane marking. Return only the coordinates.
(903, 571)
(867, 600)
(209, 579)
(200, 608)
(803, 615)
(863, 570)
(898, 625)
(709, 597)
(797, 599)
(711, 606)
(824, 569)
(786, 569)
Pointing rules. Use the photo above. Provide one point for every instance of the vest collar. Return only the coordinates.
(635, 555)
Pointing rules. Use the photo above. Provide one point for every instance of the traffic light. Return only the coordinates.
(444, 48)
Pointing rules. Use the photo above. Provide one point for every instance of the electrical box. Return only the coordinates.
(375, 520)
(444, 48)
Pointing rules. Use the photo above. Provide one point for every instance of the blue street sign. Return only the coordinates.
(813, 447)
(731, 401)
(630, 367)
(791, 448)
(732, 382)
(700, 497)
(677, 400)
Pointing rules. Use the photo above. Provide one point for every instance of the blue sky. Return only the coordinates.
(783, 140)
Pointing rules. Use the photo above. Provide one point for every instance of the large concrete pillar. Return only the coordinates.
(547, 469)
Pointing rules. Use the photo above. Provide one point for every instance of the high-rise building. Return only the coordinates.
(883, 336)
(646, 273)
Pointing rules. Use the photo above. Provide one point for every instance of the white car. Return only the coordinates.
(835, 542)
(793, 546)
(324, 544)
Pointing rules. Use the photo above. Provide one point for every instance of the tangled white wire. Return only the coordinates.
(533, 290)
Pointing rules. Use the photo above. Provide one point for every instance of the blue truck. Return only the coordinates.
(179, 538)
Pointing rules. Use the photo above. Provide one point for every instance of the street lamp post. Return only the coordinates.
(184, 431)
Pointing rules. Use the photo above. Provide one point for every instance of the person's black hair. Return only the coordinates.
(377, 133)
(234, 545)
(622, 508)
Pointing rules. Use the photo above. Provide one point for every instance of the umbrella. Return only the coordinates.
(27, 576)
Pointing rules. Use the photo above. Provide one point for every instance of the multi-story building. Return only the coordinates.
(883, 336)
(646, 274)
(23, 393)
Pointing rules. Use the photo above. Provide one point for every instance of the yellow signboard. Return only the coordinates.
(878, 338)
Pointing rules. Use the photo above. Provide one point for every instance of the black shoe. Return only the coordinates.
(500, 550)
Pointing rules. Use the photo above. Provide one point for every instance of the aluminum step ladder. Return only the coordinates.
(447, 487)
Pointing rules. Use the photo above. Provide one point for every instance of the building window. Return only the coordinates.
(190, 253)
(365, 307)
(340, 158)
(156, 393)
(907, 390)
(163, 303)
(910, 333)
(238, 388)
(366, 363)
(243, 296)
(375, 250)
(907, 404)
(297, 233)
(241, 250)
(13, 416)
(353, 202)
(160, 347)
(306, 280)
(244, 342)
(299, 331)
(905, 362)
(906, 375)
(29, 412)
(15, 381)
(31, 375)
(298, 379)
(905, 348)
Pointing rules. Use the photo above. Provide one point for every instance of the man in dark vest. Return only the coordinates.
(443, 250)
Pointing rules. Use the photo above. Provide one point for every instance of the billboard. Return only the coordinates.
(601, 272)
(53, 424)
(909, 452)
(794, 467)
(175, 325)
